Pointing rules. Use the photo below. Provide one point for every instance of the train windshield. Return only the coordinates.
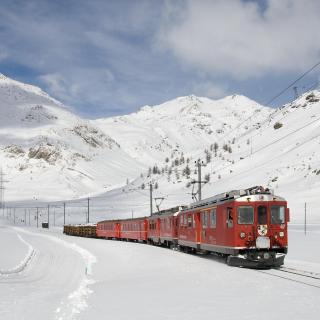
(245, 215)
(262, 215)
(277, 214)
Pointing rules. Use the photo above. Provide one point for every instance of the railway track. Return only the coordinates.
(307, 278)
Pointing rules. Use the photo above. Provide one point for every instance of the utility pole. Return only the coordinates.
(199, 164)
(151, 209)
(2, 188)
(295, 90)
(64, 213)
(48, 215)
(25, 217)
(14, 215)
(199, 179)
(37, 217)
(88, 213)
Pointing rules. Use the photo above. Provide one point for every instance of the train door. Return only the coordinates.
(228, 236)
(213, 226)
(262, 220)
(197, 226)
(190, 225)
(205, 226)
(175, 227)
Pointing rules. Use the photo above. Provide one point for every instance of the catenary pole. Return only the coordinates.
(48, 215)
(151, 209)
(88, 213)
(64, 213)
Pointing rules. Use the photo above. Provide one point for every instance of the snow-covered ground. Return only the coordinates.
(79, 278)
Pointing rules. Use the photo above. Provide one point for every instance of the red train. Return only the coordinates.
(249, 227)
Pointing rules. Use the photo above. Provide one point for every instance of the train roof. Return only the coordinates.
(168, 212)
(123, 220)
(256, 193)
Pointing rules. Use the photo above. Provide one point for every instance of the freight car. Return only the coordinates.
(81, 230)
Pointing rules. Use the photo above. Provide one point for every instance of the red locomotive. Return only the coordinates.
(248, 226)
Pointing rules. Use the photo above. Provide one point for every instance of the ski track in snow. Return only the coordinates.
(23, 264)
(76, 299)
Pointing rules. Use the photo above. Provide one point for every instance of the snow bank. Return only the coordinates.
(23, 264)
(77, 299)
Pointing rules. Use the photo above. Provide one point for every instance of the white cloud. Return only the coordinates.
(209, 89)
(241, 39)
(56, 84)
(77, 86)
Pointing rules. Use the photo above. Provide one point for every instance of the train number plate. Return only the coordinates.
(263, 242)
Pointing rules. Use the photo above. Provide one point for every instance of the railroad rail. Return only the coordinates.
(308, 278)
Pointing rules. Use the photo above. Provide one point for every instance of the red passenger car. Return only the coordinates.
(154, 229)
(249, 226)
(163, 227)
(134, 229)
(108, 229)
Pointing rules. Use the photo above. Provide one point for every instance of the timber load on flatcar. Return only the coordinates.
(81, 230)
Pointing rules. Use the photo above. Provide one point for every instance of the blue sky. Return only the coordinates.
(108, 58)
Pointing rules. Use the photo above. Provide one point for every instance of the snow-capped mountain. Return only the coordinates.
(187, 124)
(278, 148)
(48, 152)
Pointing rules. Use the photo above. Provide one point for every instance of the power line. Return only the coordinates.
(293, 83)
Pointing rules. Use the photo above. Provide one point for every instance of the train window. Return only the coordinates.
(229, 218)
(194, 220)
(189, 221)
(204, 220)
(245, 215)
(262, 215)
(213, 218)
(185, 220)
(277, 214)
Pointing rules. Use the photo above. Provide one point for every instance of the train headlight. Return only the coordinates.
(242, 235)
(281, 234)
(266, 255)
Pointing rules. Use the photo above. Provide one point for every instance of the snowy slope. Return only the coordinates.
(48, 152)
(284, 155)
(186, 124)
(278, 148)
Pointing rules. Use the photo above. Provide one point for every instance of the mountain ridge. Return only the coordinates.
(50, 153)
